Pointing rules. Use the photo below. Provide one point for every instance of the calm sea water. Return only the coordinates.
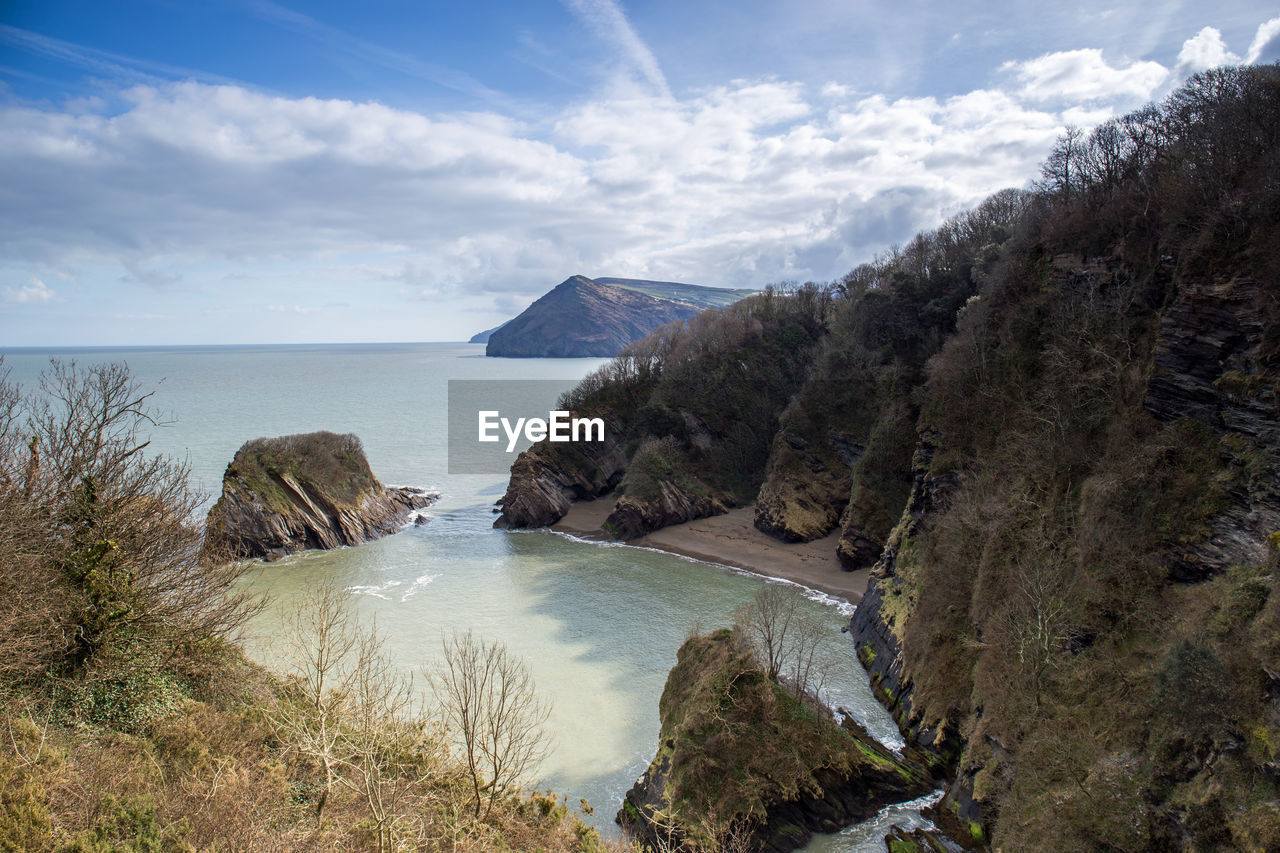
(598, 624)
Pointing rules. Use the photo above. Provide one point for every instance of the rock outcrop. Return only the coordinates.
(742, 763)
(547, 478)
(314, 490)
(632, 518)
(804, 490)
(1208, 360)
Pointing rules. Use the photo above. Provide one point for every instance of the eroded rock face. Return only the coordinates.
(1209, 361)
(803, 492)
(873, 628)
(546, 478)
(1215, 362)
(632, 518)
(292, 493)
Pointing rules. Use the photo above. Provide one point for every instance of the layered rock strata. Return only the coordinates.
(296, 492)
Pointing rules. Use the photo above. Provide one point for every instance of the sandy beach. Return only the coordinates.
(731, 539)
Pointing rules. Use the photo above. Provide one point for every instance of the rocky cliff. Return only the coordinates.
(743, 764)
(805, 489)
(295, 492)
(1215, 345)
(1199, 490)
(547, 478)
(1063, 416)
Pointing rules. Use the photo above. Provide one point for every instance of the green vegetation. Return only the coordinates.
(711, 390)
(336, 461)
(739, 747)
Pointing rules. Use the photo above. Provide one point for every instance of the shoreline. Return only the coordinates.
(732, 540)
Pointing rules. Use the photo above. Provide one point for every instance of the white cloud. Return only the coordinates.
(34, 292)
(1084, 75)
(740, 184)
(1264, 43)
(607, 20)
(1205, 49)
(737, 185)
(292, 309)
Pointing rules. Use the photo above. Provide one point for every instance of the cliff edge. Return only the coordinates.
(742, 763)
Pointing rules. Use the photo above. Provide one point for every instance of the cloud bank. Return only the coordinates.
(743, 184)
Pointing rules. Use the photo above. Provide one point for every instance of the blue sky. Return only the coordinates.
(261, 171)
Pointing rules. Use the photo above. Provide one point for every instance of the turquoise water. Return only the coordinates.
(598, 624)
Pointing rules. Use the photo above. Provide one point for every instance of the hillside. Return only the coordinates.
(693, 294)
(483, 337)
(1053, 427)
(583, 318)
(134, 721)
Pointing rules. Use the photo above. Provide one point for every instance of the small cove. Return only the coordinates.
(598, 623)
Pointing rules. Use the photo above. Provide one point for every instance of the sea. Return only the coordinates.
(597, 623)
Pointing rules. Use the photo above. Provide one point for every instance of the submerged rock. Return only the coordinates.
(900, 840)
(742, 763)
(295, 492)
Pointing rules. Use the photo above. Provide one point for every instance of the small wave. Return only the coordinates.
(412, 519)
(417, 586)
(573, 537)
(374, 590)
(843, 606)
(869, 834)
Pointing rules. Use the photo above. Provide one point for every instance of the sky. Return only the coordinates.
(254, 171)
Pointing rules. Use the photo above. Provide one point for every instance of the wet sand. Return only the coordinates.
(732, 540)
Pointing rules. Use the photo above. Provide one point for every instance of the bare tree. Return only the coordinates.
(786, 638)
(810, 664)
(1040, 616)
(488, 698)
(387, 753)
(355, 712)
(765, 623)
(107, 530)
(321, 638)
(1062, 172)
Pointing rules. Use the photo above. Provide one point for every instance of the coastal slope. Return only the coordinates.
(585, 318)
(295, 492)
